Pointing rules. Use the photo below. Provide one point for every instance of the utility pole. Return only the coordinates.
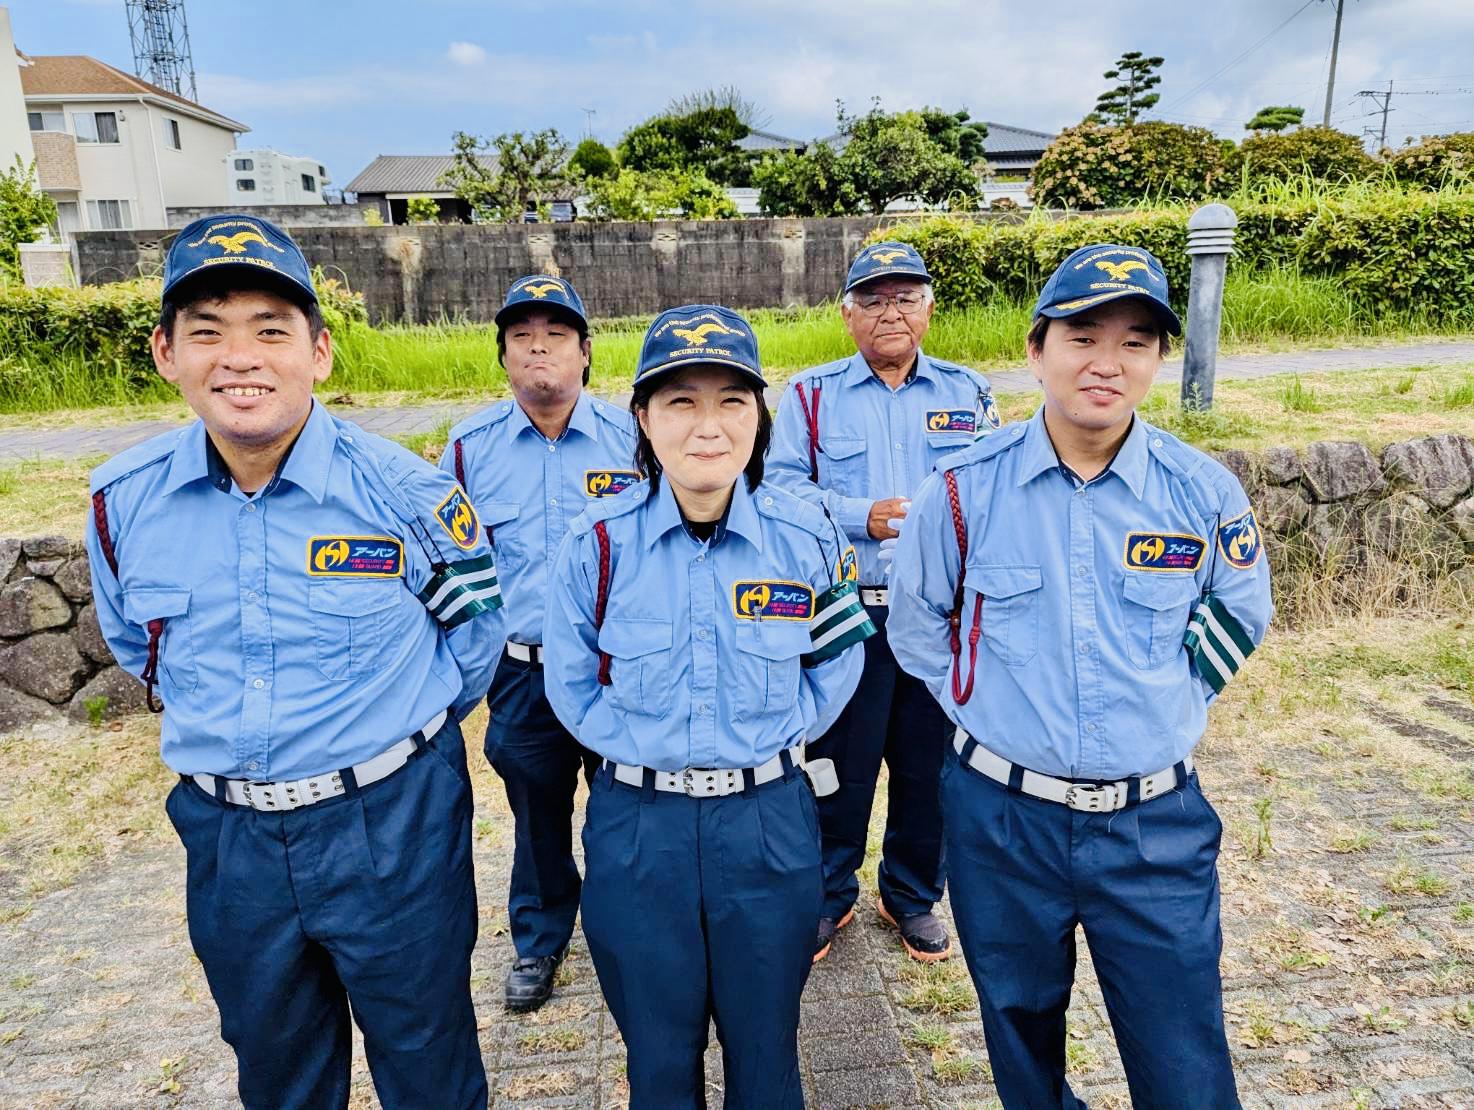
(1331, 80)
(1383, 100)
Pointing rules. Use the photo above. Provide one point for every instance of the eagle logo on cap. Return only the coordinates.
(696, 336)
(886, 257)
(1121, 271)
(541, 291)
(236, 244)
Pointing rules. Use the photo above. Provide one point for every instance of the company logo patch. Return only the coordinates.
(952, 420)
(990, 411)
(785, 601)
(849, 566)
(606, 483)
(1164, 551)
(355, 556)
(458, 519)
(1238, 540)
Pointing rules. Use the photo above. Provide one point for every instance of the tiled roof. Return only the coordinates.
(768, 140)
(62, 75)
(1004, 139)
(406, 173)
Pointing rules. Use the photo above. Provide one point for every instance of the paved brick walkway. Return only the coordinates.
(71, 443)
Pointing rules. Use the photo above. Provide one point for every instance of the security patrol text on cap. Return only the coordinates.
(236, 239)
(542, 291)
(886, 260)
(1105, 272)
(697, 333)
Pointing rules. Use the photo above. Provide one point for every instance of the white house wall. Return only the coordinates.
(15, 136)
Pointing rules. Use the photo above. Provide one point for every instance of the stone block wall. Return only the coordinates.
(1415, 498)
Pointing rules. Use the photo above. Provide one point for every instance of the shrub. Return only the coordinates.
(1321, 152)
(24, 210)
(1094, 166)
(1436, 160)
(422, 210)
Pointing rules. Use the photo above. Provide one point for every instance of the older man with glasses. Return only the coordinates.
(857, 437)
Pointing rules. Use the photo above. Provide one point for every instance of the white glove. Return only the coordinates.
(888, 551)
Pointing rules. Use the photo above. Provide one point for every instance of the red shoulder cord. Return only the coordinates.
(602, 602)
(960, 693)
(150, 673)
(811, 417)
(460, 458)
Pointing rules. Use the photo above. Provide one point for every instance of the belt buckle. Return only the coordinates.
(1092, 799)
(710, 788)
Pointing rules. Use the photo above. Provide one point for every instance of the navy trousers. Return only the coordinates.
(538, 761)
(701, 909)
(1144, 884)
(891, 717)
(365, 901)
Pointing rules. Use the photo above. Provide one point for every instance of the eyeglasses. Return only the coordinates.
(908, 302)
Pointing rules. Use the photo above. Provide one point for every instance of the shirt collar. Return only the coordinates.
(582, 419)
(305, 464)
(859, 370)
(1038, 454)
(741, 515)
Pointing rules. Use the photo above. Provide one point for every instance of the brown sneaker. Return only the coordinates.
(923, 934)
(828, 926)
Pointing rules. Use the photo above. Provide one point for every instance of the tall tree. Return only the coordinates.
(890, 156)
(1276, 118)
(509, 175)
(1120, 106)
(702, 140)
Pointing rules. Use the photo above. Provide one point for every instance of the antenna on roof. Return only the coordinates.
(161, 52)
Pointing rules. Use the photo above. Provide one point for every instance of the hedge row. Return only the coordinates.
(1392, 251)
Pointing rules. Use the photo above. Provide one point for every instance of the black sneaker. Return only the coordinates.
(923, 934)
(530, 982)
(828, 926)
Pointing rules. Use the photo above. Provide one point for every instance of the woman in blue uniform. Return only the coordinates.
(698, 629)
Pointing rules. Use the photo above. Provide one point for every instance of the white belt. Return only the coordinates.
(875, 595)
(1082, 796)
(526, 653)
(719, 782)
(277, 797)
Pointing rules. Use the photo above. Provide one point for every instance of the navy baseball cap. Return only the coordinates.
(1105, 272)
(542, 291)
(694, 334)
(235, 239)
(887, 259)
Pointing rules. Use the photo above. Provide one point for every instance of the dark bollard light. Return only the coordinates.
(1210, 232)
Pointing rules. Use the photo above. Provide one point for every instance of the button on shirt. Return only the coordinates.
(1081, 669)
(693, 682)
(528, 489)
(293, 641)
(875, 442)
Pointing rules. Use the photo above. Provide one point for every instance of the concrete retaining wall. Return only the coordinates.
(1415, 500)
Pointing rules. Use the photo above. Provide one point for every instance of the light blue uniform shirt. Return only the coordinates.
(875, 442)
(294, 642)
(528, 489)
(1081, 670)
(695, 683)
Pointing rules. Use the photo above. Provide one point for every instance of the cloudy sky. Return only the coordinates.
(342, 82)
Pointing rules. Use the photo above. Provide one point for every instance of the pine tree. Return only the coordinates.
(1121, 105)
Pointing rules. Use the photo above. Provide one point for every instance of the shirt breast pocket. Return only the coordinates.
(1155, 611)
(500, 519)
(353, 626)
(768, 665)
(640, 669)
(1011, 601)
(942, 444)
(842, 465)
(177, 668)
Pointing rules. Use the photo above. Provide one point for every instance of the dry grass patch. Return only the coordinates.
(45, 498)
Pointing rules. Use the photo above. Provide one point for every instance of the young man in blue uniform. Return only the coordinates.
(1100, 581)
(531, 465)
(858, 436)
(699, 627)
(315, 607)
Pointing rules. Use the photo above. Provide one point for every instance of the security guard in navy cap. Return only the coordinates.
(699, 627)
(858, 436)
(1100, 581)
(315, 607)
(531, 465)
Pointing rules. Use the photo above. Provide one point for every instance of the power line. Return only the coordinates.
(1201, 85)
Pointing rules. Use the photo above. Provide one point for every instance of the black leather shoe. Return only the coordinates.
(828, 926)
(530, 982)
(923, 934)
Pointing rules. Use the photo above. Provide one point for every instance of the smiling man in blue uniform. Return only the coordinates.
(316, 608)
(699, 627)
(1101, 581)
(531, 465)
(858, 436)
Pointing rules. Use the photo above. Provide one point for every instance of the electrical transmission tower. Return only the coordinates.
(161, 52)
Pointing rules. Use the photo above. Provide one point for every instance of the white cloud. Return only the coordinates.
(466, 53)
